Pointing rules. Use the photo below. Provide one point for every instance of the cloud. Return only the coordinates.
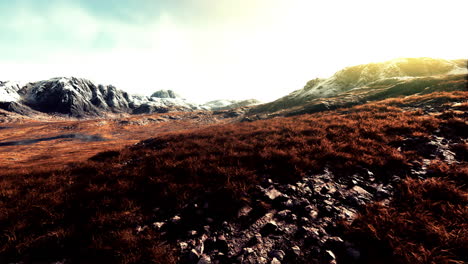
(209, 49)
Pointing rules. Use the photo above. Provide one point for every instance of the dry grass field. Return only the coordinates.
(87, 211)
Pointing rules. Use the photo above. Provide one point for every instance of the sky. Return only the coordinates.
(220, 49)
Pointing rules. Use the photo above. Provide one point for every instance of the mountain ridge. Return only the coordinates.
(80, 97)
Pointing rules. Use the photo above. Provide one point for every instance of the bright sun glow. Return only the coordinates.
(233, 49)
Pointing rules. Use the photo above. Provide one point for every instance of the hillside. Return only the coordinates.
(381, 182)
(375, 81)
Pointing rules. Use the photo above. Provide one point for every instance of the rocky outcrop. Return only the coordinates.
(287, 223)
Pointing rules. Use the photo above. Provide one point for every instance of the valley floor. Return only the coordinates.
(26, 143)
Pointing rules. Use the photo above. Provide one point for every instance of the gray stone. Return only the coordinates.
(176, 219)
(183, 246)
(279, 254)
(329, 255)
(269, 228)
(288, 204)
(158, 225)
(244, 211)
(296, 251)
(283, 214)
(204, 259)
(361, 191)
(248, 251)
(275, 261)
(222, 244)
(193, 255)
(272, 193)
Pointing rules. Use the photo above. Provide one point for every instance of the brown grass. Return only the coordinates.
(425, 223)
(117, 133)
(89, 212)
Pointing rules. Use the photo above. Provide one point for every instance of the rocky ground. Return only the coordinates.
(298, 222)
(290, 223)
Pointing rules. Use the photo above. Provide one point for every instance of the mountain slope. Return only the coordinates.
(358, 84)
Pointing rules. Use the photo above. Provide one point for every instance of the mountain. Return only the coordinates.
(160, 102)
(229, 104)
(73, 96)
(361, 83)
(77, 97)
(165, 94)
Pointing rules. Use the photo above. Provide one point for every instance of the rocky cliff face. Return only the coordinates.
(73, 96)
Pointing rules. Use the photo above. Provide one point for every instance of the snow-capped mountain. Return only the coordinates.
(161, 101)
(73, 96)
(229, 104)
(165, 94)
(79, 97)
(361, 81)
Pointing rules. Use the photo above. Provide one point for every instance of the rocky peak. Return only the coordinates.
(165, 94)
(9, 91)
(73, 96)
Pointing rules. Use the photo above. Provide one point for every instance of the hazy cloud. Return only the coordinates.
(208, 49)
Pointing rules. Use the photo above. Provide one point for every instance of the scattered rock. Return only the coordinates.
(158, 225)
(222, 244)
(183, 246)
(275, 261)
(244, 211)
(272, 193)
(305, 213)
(296, 251)
(269, 228)
(193, 256)
(192, 233)
(204, 259)
(248, 251)
(176, 219)
(329, 255)
(278, 254)
(283, 214)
